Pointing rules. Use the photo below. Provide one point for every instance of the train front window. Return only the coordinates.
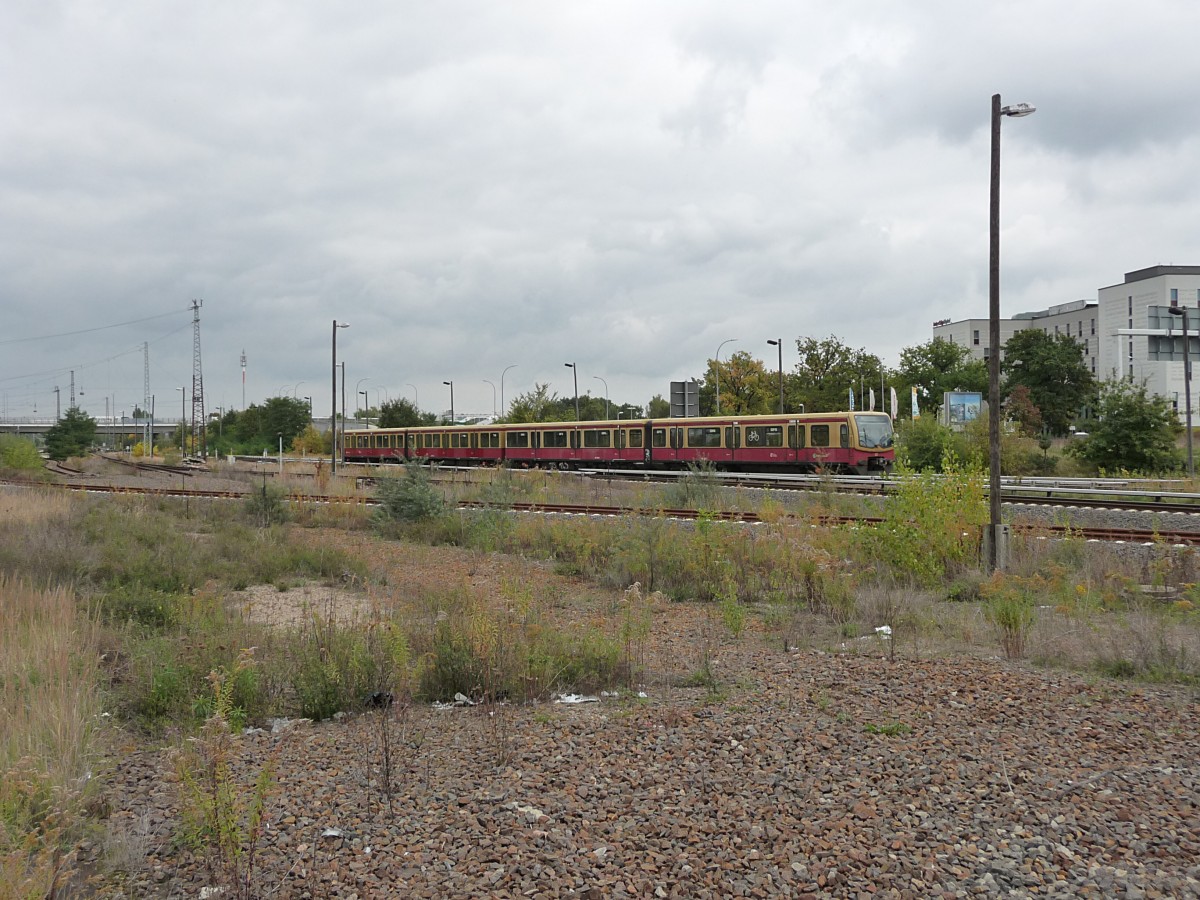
(874, 431)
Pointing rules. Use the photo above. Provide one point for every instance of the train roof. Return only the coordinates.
(619, 423)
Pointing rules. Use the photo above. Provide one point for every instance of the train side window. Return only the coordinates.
(766, 435)
(554, 439)
(596, 437)
(635, 437)
(704, 437)
(517, 438)
(659, 437)
(845, 434)
(820, 435)
(495, 439)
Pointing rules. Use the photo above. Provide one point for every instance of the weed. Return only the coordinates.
(890, 729)
(222, 817)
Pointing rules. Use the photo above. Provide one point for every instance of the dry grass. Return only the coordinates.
(49, 701)
(34, 506)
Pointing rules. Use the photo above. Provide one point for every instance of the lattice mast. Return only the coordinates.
(243, 378)
(146, 377)
(197, 382)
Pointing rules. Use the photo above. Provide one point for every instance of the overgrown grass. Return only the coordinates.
(49, 708)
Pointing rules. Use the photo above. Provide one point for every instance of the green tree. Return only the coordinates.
(257, 426)
(746, 387)
(1051, 366)
(399, 413)
(935, 368)
(1135, 431)
(922, 444)
(658, 407)
(826, 372)
(538, 405)
(72, 435)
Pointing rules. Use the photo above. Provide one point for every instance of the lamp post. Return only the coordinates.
(416, 396)
(598, 378)
(1187, 384)
(451, 383)
(342, 445)
(493, 384)
(308, 403)
(502, 374)
(182, 420)
(333, 393)
(717, 370)
(357, 392)
(779, 343)
(575, 373)
(994, 529)
(296, 388)
(366, 406)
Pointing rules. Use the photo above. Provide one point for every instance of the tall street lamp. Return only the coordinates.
(779, 343)
(493, 384)
(366, 406)
(296, 388)
(575, 373)
(717, 370)
(605, 383)
(502, 374)
(333, 393)
(416, 396)
(451, 383)
(994, 528)
(182, 420)
(1187, 383)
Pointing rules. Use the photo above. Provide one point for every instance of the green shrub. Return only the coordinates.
(19, 453)
(1009, 608)
(411, 497)
(266, 506)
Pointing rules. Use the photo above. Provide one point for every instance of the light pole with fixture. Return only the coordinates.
(605, 383)
(182, 420)
(717, 370)
(995, 529)
(451, 383)
(296, 388)
(779, 343)
(416, 396)
(504, 408)
(575, 372)
(366, 407)
(1187, 383)
(333, 392)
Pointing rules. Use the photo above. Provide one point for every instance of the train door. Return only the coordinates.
(733, 441)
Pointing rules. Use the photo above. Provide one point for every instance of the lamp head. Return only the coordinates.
(1177, 311)
(1017, 110)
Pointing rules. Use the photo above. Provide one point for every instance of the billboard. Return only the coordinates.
(961, 407)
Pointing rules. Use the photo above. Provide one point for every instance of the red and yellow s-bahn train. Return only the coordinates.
(857, 442)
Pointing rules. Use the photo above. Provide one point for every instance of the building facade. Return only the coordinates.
(1127, 332)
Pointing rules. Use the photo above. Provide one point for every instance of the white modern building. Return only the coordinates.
(1127, 331)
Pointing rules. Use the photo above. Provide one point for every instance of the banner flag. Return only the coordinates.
(851, 399)
(916, 412)
(871, 408)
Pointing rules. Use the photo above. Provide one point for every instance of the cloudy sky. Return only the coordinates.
(624, 185)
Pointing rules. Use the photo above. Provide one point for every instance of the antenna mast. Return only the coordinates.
(243, 378)
(197, 382)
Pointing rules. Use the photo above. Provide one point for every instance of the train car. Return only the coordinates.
(859, 442)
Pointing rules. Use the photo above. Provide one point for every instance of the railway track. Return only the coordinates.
(1112, 535)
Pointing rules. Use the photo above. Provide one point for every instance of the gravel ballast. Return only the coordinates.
(814, 774)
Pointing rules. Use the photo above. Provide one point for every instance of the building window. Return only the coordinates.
(975, 337)
(1093, 326)
(1174, 296)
